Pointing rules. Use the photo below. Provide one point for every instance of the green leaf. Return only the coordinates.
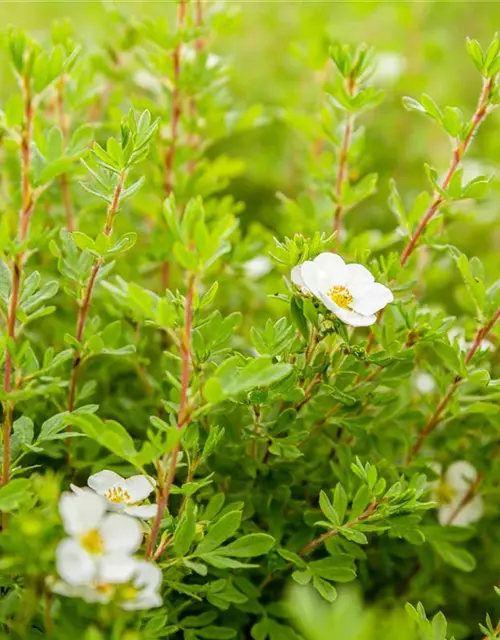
(5, 282)
(221, 562)
(325, 589)
(201, 620)
(298, 317)
(455, 556)
(449, 357)
(439, 626)
(219, 532)
(220, 633)
(109, 434)
(339, 568)
(328, 509)
(453, 121)
(302, 577)
(292, 557)
(354, 535)
(340, 501)
(476, 53)
(186, 258)
(14, 493)
(82, 240)
(185, 531)
(253, 544)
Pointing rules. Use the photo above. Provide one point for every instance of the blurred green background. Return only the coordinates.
(272, 49)
(421, 47)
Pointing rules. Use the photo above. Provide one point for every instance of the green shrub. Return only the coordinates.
(207, 431)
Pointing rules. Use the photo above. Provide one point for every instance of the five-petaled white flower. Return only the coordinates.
(452, 493)
(123, 494)
(99, 545)
(139, 591)
(348, 290)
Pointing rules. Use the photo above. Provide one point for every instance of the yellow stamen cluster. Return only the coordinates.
(444, 493)
(92, 541)
(106, 589)
(341, 296)
(117, 495)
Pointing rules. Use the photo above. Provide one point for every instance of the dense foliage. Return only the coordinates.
(212, 432)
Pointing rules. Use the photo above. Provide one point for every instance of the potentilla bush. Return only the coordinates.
(208, 432)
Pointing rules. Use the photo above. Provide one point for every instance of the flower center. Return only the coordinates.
(117, 495)
(341, 296)
(444, 493)
(105, 589)
(92, 541)
(128, 592)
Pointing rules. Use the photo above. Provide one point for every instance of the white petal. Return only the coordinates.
(81, 512)
(466, 515)
(424, 382)
(331, 271)
(147, 575)
(348, 317)
(371, 299)
(120, 533)
(144, 511)
(470, 513)
(296, 278)
(309, 274)
(139, 487)
(460, 475)
(358, 275)
(74, 564)
(446, 511)
(89, 594)
(116, 506)
(144, 600)
(65, 589)
(100, 482)
(257, 267)
(116, 568)
(76, 489)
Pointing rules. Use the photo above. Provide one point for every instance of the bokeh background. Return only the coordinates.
(276, 49)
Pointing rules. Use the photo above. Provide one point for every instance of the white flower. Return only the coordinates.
(144, 591)
(388, 67)
(257, 267)
(147, 80)
(123, 494)
(424, 382)
(451, 491)
(456, 335)
(348, 290)
(99, 544)
(139, 591)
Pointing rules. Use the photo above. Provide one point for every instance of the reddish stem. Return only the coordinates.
(496, 630)
(176, 106)
(344, 151)
(335, 532)
(168, 182)
(435, 418)
(466, 499)
(458, 153)
(27, 206)
(199, 45)
(63, 125)
(183, 416)
(84, 308)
